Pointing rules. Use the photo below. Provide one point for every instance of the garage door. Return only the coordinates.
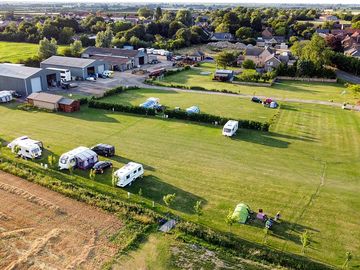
(36, 84)
(101, 69)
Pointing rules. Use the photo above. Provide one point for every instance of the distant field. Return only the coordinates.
(226, 106)
(285, 89)
(14, 52)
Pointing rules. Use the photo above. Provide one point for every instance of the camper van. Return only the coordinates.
(65, 74)
(81, 157)
(230, 128)
(26, 148)
(5, 96)
(128, 174)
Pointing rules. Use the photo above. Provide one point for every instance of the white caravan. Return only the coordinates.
(129, 173)
(26, 147)
(65, 74)
(5, 96)
(230, 128)
(81, 157)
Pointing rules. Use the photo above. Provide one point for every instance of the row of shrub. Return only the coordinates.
(305, 69)
(120, 108)
(175, 71)
(117, 90)
(249, 250)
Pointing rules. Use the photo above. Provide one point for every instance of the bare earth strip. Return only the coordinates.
(41, 229)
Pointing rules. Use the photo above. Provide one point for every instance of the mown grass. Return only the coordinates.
(226, 106)
(14, 52)
(285, 89)
(305, 167)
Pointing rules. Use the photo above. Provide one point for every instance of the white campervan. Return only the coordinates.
(230, 128)
(81, 157)
(129, 173)
(26, 147)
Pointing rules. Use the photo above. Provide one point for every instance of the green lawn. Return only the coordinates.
(306, 167)
(226, 106)
(13, 52)
(285, 89)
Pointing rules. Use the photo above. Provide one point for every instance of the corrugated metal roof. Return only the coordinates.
(111, 52)
(45, 97)
(68, 61)
(17, 71)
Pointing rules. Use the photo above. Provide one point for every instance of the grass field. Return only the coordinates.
(226, 106)
(305, 168)
(13, 52)
(286, 89)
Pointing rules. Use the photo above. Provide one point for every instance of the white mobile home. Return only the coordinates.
(81, 157)
(5, 96)
(26, 147)
(129, 173)
(230, 128)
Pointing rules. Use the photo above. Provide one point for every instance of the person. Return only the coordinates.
(269, 223)
(277, 216)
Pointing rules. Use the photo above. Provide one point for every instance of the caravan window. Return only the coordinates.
(63, 160)
(27, 151)
(34, 151)
(227, 130)
(128, 176)
(139, 169)
(134, 172)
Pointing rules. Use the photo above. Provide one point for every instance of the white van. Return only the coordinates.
(129, 173)
(230, 128)
(26, 147)
(65, 74)
(80, 157)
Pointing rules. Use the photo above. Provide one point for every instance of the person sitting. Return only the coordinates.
(269, 223)
(260, 215)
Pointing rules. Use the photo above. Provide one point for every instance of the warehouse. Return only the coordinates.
(79, 68)
(133, 58)
(27, 80)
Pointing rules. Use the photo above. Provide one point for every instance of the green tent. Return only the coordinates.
(241, 213)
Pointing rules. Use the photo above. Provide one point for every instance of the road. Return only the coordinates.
(347, 76)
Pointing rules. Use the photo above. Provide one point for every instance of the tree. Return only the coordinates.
(198, 208)
(244, 33)
(229, 220)
(104, 38)
(158, 13)
(184, 16)
(168, 199)
(47, 48)
(225, 59)
(248, 64)
(347, 260)
(305, 68)
(184, 34)
(145, 12)
(92, 174)
(66, 35)
(305, 240)
(76, 48)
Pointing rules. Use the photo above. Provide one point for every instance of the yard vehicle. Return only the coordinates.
(230, 128)
(91, 79)
(108, 73)
(65, 74)
(151, 103)
(104, 150)
(80, 157)
(100, 166)
(128, 174)
(193, 110)
(154, 61)
(26, 147)
(5, 96)
(65, 85)
(256, 100)
(157, 72)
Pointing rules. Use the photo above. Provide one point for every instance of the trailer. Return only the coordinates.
(26, 148)
(230, 128)
(80, 157)
(128, 174)
(5, 96)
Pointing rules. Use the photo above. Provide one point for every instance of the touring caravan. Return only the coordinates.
(129, 173)
(5, 96)
(81, 157)
(26, 147)
(230, 128)
(65, 74)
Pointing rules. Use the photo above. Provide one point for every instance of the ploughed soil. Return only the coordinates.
(42, 229)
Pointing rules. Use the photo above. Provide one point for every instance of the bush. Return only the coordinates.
(120, 108)
(83, 101)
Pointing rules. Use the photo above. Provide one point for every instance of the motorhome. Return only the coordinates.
(230, 128)
(65, 74)
(128, 174)
(26, 148)
(5, 96)
(80, 157)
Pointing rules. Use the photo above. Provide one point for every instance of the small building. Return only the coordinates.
(197, 56)
(222, 37)
(332, 18)
(80, 68)
(53, 102)
(27, 80)
(69, 105)
(224, 75)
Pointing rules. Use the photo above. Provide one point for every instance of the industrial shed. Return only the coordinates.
(53, 102)
(80, 68)
(27, 80)
(134, 57)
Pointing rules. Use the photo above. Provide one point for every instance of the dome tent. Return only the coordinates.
(241, 213)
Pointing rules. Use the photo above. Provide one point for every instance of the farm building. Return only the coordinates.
(224, 75)
(120, 59)
(53, 102)
(80, 68)
(27, 80)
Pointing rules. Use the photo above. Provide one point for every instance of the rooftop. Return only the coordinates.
(68, 61)
(111, 52)
(17, 71)
(45, 97)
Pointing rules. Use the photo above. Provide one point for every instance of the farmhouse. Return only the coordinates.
(53, 102)
(222, 37)
(119, 59)
(80, 68)
(27, 80)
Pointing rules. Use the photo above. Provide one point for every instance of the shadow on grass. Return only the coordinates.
(154, 189)
(126, 160)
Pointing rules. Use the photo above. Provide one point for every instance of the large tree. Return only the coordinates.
(47, 48)
(185, 17)
(225, 59)
(104, 38)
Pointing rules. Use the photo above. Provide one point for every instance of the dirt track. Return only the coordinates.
(41, 229)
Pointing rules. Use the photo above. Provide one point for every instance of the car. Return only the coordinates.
(193, 110)
(73, 85)
(101, 166)
(108, 73)
(154, 61)
(256, 100)
(15, 94)
(65, 85)
(102, 149)
(91, 79)
(102, 76)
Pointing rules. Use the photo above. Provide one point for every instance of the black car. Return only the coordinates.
(100, 166)
(256, 100)
(105, 150)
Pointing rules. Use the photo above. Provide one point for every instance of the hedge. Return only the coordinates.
(120, 108)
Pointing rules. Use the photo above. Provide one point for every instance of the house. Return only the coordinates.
(271, 62)
(353, 52)
(351, 41)
(115, 57)
(53, 102)
(332, 18)
(255, 54)
(223, 75)
(322, 32)
(197, 56)
(80, 68)
(267, 33)
(222, 37)
(27, 80)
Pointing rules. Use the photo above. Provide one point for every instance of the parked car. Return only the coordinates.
(102, 76)
(65, 85)
(154, 61)
(256, 100)
(102, 149)
(193, 109)
(108, 73)
(91, 79)
(101, 166)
